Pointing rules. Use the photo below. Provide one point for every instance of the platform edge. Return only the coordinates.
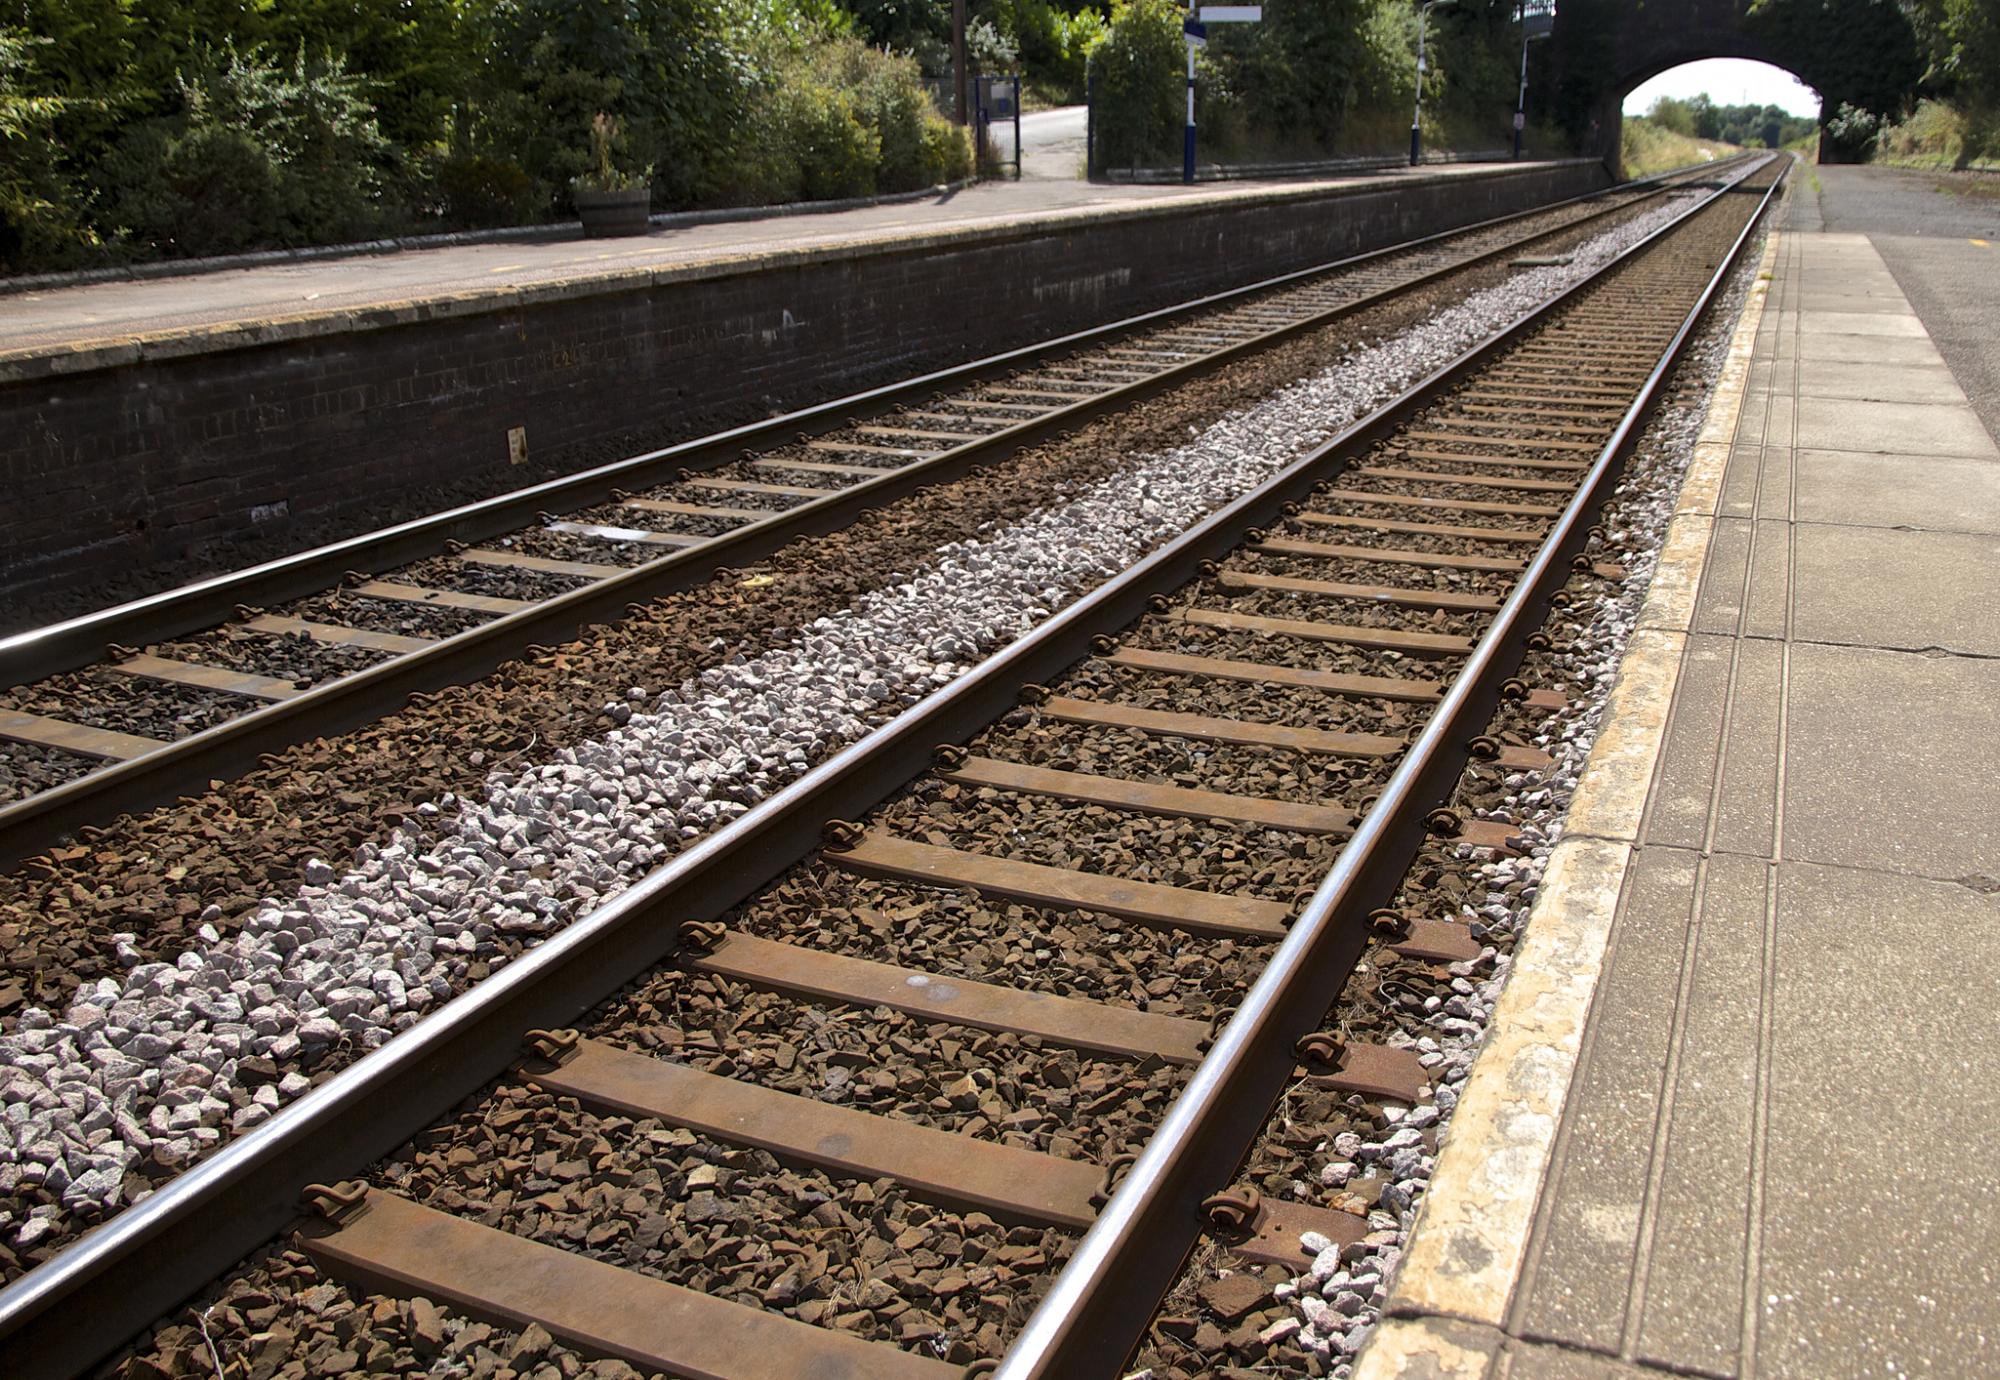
(1470, 1239)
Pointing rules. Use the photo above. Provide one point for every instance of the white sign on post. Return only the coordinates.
(1232, 14)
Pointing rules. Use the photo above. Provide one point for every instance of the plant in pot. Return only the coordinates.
(609, 199)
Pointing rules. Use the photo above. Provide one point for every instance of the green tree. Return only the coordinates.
(1138, 70)
(1962, 45)
(38, 222)
(1676, 115)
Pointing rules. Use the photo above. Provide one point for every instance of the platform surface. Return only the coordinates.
(1739, 1118)
(325, 290)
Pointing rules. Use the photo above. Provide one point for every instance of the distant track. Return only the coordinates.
(1437, 531)
(532, 567)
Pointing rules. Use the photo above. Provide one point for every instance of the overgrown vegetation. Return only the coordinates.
(1745, 126)
(1961, 121)
(1938, 134)
(1650, 146)
(1315, 79)
(134, 129)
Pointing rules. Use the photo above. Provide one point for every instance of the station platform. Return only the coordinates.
(264, 302)
(1736, 1113)
(145, 424)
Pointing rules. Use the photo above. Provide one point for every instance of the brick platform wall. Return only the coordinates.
(154, 459)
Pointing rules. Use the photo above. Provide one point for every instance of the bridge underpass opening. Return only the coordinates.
(1692, 108)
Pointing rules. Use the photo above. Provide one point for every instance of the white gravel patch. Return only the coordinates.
(176, 1055)
(1339, 1302)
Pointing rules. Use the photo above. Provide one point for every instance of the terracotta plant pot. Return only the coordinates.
(605, 214)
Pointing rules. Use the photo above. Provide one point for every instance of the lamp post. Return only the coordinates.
(1521, 101)
(960, 93)
(1417, 116)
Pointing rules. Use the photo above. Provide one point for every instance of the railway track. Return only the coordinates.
(1138, 868)
(132, 706)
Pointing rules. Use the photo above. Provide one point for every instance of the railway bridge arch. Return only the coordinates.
(1855, 52)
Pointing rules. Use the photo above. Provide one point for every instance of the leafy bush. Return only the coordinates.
(1851, 133)
(134, 128)
(202, 189)
(474, 189)
(843, 119)
(1939, 134)
(1139, 71)
(1648, 147)
(38, 221)
(257, 155)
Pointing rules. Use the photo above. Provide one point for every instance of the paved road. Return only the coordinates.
(1939, 233)
(1053, 143)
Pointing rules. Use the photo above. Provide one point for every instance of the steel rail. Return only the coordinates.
(204, 603)
(1101, 1303)
(234, 747)
(236, 1200)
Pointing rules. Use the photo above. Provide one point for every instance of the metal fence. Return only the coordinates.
(993, 111)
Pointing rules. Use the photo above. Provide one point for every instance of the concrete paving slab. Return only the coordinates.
(1693, 1288)
(1893, 428)
(1949, 281)
(1889, 300)
(1851, 278)
(1915, 383)
(1758, 483)
(1919, 590)
(1866, 1267)
(1891, 761)
(1745, 814)
(1577, 1284)
(1938, 493)
(1902, 323)
(1858, 349)
(1678, 806)
(1525, 1361)
(1745, 590)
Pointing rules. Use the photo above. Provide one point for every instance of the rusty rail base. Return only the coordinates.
(248, 1192)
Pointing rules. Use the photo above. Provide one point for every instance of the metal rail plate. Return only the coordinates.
(207, 677)
(1420, 529)
(984, 1176)
(1115, 1030)
(81, 739)
(440, 598)
(1440, 941)
(1287, 546)
(391, 1245)
(1389, 639)
(1373, 594)
(1114, 715)
(334, 635)
(1147, 797)
(1147, 903)
(1256, 673)
(1377, 1071)
(1275, 1235)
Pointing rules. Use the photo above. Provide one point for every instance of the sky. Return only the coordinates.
(1728, 81)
